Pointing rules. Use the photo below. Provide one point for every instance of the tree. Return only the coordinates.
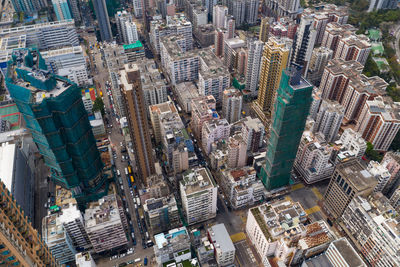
(372, 154)
(371, 69)
(98, 105)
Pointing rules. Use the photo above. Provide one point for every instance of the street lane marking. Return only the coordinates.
(316, 193)
(297, 186)
(238, 237)
(313, 210)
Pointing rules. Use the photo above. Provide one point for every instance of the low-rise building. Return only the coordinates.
(381, 174)
(213, 131)
(241, 187)
(203, 109)
(84, 260)
(275, 228)
(185, 92)
(161, 214)
(223, 247)
(205, 34)
(374, 230)
(173, 246)
(237, 153)
(199, 195)
(105, 223)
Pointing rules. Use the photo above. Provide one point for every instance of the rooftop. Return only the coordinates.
(173, 236)
(211, 65)
(197, 180)
(347, 252)
(220, 237)
(105, 210)
(175, 46)
(138, 44)
(7, 156)
(62, 51)
(357, 175)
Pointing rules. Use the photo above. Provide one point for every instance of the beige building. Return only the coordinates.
(137, 120)
(232, 104)
(237, 151)
(202, 111)
(157, 114)
(274, 60)
(349, 180)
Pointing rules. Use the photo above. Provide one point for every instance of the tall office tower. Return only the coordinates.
(253, 65)
(103, 20)
(329, 118)
(137, 120)
(379, 122)
(121, 17)
(349, 180)
(290, 114)
(199, 195)
(334, 32)
(219, 40)
(274, 60)
(21, 244)
(354, 47)
(264, 29)
(251, 11)
(28, 6)
(75, 10)
(219, 13)
(304, 41)
(237, 8)
(319, 59)
(62, 10)
(138, 8)
(54, 113)
(382, 4)
(232, 105)
(370, 224)
(230, 24)
(283, 8)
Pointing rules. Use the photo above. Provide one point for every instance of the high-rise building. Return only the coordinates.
(199, 195)
(319, 59)
(131, 32)
(75, 10)
(219, 40)
(290, 113)
(354, 47)
(106, 224)
(274, 60)
(231, 52)
(28, 6)
(328, 120)
(232, 105)
(161, 214)
(237, 151)
(334, 32)
(203, 109)
(241, 61)
(121, 18)
(62, 10)
(349, 180)
(264, 29)
(139, 8)
(54, 113)
(370, 224)
(382, 4)
(381, 174)
(237, 8)
(379, 123)
(251, 11)
(282, 8)
(254, 60)
(304, 42)
(21, 244)
(391, 161)
(100, 8)
(137, 120)
(353, 142)
(253, 132)
(230, 24)
(213, 131)
(219, 13)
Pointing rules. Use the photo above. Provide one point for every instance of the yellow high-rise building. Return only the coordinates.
(274, 60)
(20, 244)
(264, 29)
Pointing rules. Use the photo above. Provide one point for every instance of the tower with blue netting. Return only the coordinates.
(54, 113)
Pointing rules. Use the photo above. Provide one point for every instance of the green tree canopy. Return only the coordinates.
(98, 105)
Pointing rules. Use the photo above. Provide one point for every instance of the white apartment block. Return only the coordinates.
(379, 123)
(232, 100)
(241, 187)
(329, 119)
(395, 199)
(202, 111)
(199, 195)
(319, 59)
(84, 260)
(121, 18)
(174, 25)
(214, 131)
(374, 228)
(219, 13)
(254, 66)
(157, 114)
(380, 173)
(313, 159)
(214, 77)
(224, 248)
(139, 8)
(181, 65)
(174, 245)
(272, 228)
(341, 253)
(105, 223)
(131, 32)
(68, 62)
(353, 141)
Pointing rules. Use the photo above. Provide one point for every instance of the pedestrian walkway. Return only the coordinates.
(317, 193)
